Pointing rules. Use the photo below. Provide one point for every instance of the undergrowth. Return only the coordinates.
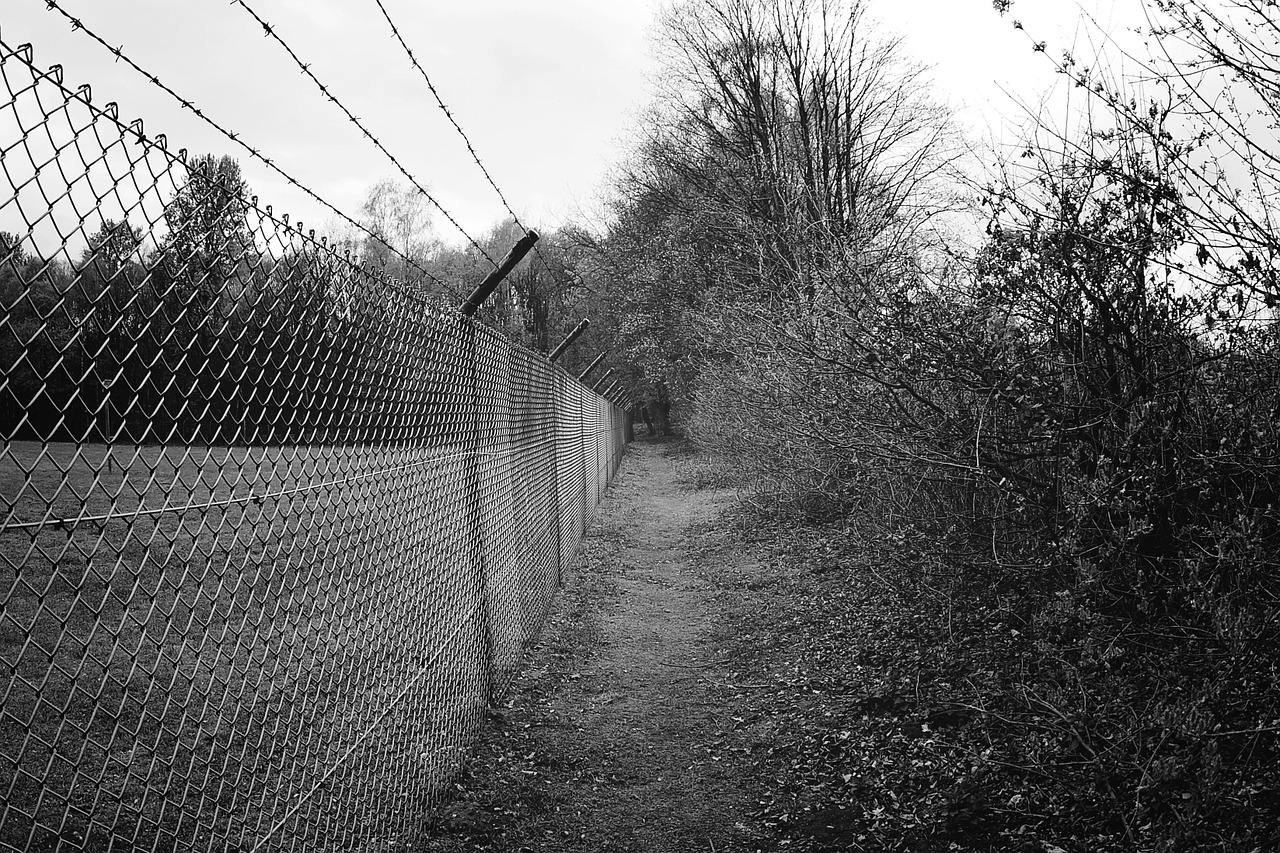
(915, 707)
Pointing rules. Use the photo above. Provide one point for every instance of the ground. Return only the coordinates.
(619, 734)
(713, 678)
(706, 683)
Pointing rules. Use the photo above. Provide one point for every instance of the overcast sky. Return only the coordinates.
(548, 92)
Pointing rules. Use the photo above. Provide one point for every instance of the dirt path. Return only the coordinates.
(618, 735)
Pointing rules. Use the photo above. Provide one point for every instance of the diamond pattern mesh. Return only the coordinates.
(275, 527)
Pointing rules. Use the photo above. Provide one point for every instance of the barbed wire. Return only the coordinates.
(118, 51)
(187, 104)
(475, 156)
(447, 112)
(270, 32)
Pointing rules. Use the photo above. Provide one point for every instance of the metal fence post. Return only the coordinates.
(493, 279)
(595, 362)
(569, 339)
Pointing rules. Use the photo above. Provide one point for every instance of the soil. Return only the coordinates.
(621, 733)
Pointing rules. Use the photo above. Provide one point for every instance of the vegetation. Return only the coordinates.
(1044, 390)
(1068, 423)
(157, 336)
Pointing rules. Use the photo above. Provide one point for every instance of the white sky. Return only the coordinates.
(546, 91)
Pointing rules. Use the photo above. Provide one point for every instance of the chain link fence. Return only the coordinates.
(275, 528)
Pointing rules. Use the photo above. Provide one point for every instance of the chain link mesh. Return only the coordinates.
(275, 528)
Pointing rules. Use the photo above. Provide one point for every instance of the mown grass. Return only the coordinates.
(286, 640)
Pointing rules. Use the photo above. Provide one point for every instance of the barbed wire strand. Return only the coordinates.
(447, 112)
(187, 104)
(475, 156)
(270, 32)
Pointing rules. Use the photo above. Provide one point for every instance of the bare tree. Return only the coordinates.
(795, 127)
(1206, 102)
(398, 214)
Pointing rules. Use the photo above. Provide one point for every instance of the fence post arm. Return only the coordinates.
(582, 377)
(602, 379)
(493, 279)
(569, 339)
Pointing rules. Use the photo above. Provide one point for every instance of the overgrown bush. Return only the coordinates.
(1064, 423)
(1078, 412)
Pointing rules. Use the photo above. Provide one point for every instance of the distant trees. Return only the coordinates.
(26, 283)
(784, 194)
(655, 271)
(209, 248)
(228, 326)
(399, 217)
(111, 282)
(203, 331)
(38, 324)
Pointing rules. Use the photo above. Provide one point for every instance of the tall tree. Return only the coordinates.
(206, 268)
(398, 215)
(792, 168)
(209, 244)
(791, 128)
(111, 277)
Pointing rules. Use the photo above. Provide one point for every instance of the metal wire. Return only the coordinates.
(447, 112)
(118, 51)
(274, 528)
(475, 156)
(270, 32)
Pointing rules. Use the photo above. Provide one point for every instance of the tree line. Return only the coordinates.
(222, 325)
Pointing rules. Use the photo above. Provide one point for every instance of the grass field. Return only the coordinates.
(201, 643)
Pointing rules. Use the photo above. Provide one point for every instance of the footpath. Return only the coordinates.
(619, 733)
